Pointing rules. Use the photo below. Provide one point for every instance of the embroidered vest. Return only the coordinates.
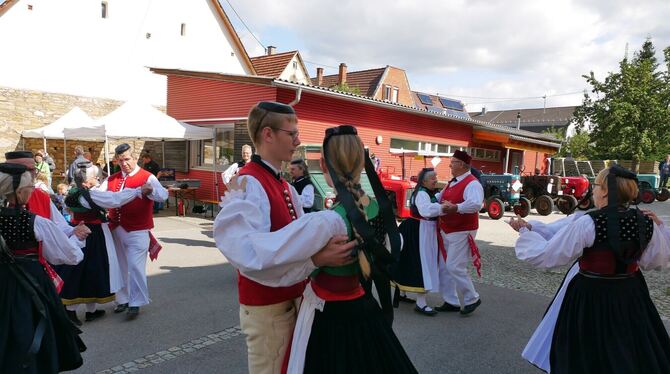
(455, 222)
(137, 214)
(16, 226)
(281, 214)
(39, 203)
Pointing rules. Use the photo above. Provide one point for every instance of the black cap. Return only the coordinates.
(13, 169)
(121, 148)
(18, 154)
(272, 106)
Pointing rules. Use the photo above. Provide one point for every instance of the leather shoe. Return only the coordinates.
(425, 310)
(471, 307)
(72, 315)
(95, 315)
(121, 308)
(446, 307)
(405, 299)
(133, 312)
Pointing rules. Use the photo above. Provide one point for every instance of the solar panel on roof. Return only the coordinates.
(425, 99)
(458, 113)
(435, 109)
(451, 104)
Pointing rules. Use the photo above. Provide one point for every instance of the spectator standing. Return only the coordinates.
(152, 167)
(664, 170)
(79, 157)
(42, 167)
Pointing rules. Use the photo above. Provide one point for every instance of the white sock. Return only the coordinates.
(90, 307)
(72, 308)
(421, 300)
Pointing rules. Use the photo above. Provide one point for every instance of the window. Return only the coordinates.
(484, 154)
(205, 155)
(103, 8)
(183, 29)
(295, 64)
(425, 148)
(394, 95)
(386, 93)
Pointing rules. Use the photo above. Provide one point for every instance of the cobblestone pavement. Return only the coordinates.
(500, 267)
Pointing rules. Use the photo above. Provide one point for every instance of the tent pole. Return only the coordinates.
(163, 154)
(215, 174)
(109, 169)
(65, 158)
(44, 144)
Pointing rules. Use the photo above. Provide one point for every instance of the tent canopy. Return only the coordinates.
(72, 119)
(139, 121)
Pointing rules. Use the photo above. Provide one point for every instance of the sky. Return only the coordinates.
(487, 53)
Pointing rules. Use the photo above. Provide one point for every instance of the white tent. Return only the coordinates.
(72, 119)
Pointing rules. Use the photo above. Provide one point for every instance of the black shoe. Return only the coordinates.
(405, 299)
(471, 308)
(446, 307)
(133, 312)
(424, 310)
(121, 308)
(72, 315)
(95, 315)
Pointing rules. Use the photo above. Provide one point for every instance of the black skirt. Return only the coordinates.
(88, 281)
(19, 318)
(351, 337)
(609, 326)
(407, 272)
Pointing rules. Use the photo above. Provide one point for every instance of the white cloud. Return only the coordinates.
(479, 48)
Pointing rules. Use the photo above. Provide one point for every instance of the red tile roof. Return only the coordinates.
(365, 80)
(272, 65)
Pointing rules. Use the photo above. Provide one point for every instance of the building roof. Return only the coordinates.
(365, 80)
(272, 65)
(6, 4)
(536, 119)
(531, 137)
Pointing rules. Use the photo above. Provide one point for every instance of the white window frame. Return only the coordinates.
(429, 148)
(196, 149)
(486, 154)
(394, 94)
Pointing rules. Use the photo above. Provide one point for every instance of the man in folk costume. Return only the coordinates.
(461, 200)
(130, 227)
(263, 232)
(40, 202)
(302, 183)
(95, 279)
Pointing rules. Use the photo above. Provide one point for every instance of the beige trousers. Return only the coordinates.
(268, 331)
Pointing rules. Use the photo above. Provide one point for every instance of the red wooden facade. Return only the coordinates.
(202, 98)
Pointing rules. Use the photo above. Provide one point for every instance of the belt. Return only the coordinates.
(589, 274)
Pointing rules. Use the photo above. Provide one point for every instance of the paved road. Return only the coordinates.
(192, 324)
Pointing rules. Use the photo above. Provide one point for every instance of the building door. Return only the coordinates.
(516, 159)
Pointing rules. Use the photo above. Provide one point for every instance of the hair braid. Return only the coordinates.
(354, 187)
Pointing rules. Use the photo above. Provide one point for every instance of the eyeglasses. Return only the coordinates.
(293, 134)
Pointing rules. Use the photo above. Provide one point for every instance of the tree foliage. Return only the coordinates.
(628, 113)
(346, 88)
(578, 145)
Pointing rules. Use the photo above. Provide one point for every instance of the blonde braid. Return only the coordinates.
(354, 187)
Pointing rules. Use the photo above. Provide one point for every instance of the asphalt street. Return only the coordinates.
(191, 326)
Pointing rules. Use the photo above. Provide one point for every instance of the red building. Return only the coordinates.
(223, 101)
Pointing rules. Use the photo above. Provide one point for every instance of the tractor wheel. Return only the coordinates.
(586, 204)
(566, 204)
(495, 208)
(648, 196)
(663, 195)
(544, 205)
(522, 208)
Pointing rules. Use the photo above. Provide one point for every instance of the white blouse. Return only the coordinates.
(57, 248)
(107, 199)
(425, 207)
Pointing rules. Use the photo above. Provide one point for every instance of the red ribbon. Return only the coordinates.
(154, 247)
(51, 273)
(476, 257)
(440, 245)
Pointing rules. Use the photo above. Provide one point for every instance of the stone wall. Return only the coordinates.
(26, 109)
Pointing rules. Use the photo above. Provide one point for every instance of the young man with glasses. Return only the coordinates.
(263, 232)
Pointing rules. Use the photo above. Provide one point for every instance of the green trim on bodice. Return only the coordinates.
(433, 198)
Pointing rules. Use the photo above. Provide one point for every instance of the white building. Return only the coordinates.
(102, 48)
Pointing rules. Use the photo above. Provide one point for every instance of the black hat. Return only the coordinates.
(84, 164)
(15, 170)
(121, 148)
(272, 106)
(18, 154)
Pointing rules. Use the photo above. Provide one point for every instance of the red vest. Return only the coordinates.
(455, 222)
(39, 203)
(281, 214)
(137, 214)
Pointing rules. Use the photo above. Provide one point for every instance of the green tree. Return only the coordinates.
(629, 116)
(346, 88)
(578, 145)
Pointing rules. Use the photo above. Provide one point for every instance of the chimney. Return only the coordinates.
(483, 113)
(271, 50)
(342, 77)
(319, 76)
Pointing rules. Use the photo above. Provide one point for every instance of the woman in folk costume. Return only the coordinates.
(35, 334)
(340, 327)
(417, 270)
(95, 279)
(602, 319)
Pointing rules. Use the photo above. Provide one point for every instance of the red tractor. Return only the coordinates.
(398, 188)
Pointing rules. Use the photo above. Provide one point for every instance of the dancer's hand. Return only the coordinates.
(336, 253)
(81, 231)
(652, 215)
(237, 183)
(147, 189)
(448, 207)
(519, 223)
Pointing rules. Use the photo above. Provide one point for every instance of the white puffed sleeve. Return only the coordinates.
(57, 248)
